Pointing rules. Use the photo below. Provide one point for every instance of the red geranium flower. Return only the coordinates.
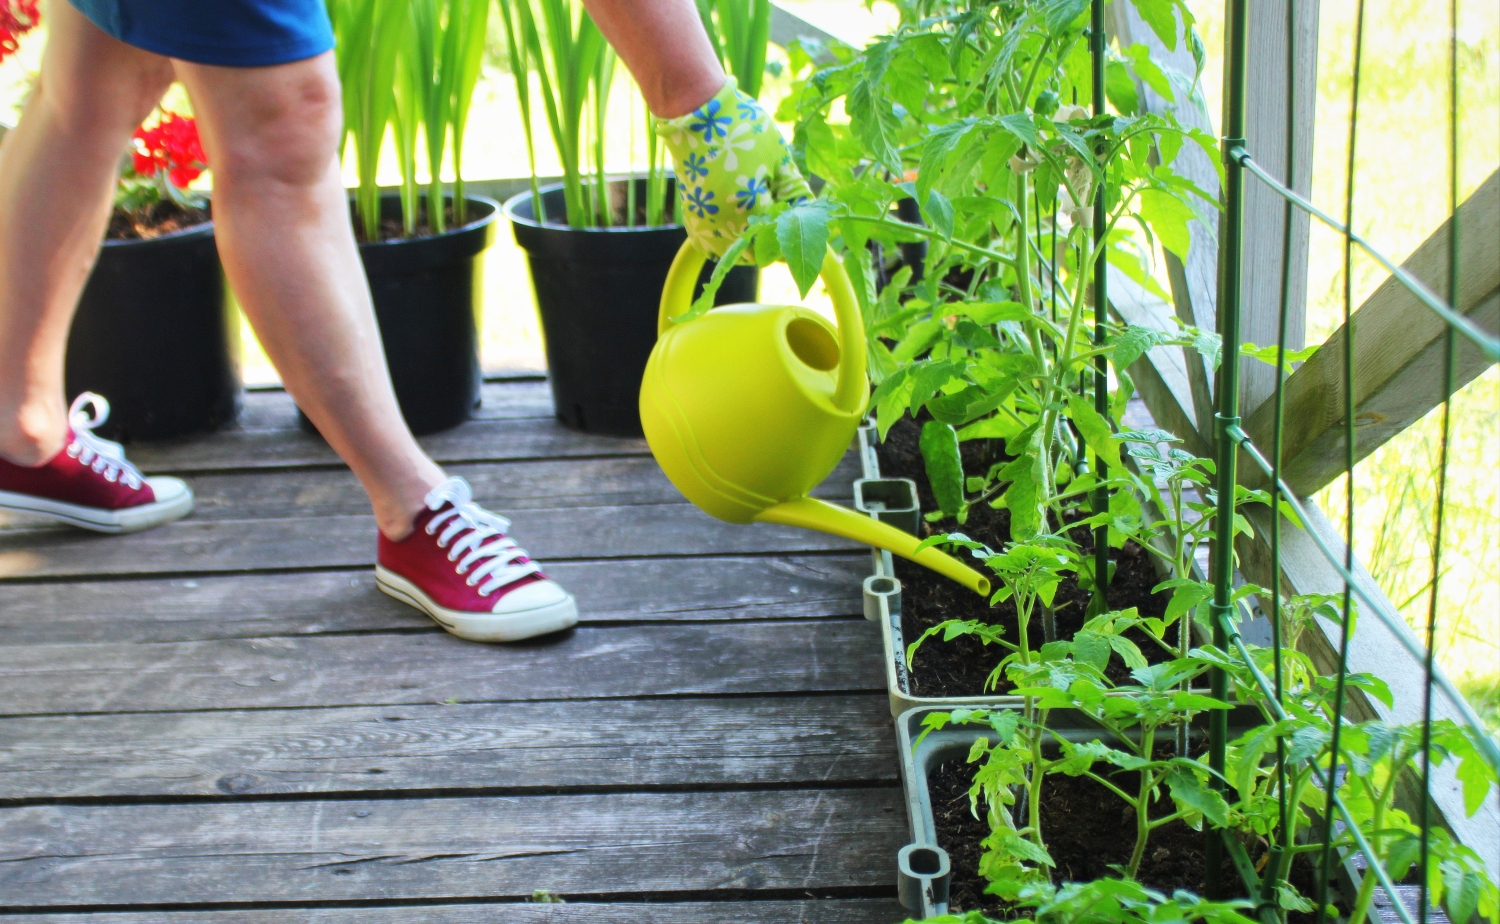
(17, 17)
(171, 145)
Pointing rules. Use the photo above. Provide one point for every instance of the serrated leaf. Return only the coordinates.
(1092, 649)
(1021, 125)
(1168, 217)
(919, 337)
(995, 312)
(1128, 651)
(802, 232)
(939, 213)
(945, 472)
(875, 124)
(1160, 16)
(1189, 792)
(1060, 14)
(1095, 430)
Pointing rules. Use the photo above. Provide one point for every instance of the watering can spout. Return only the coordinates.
(809, 513)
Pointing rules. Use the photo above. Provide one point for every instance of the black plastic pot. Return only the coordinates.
(155, 333)
(429, 299)
(598, 291)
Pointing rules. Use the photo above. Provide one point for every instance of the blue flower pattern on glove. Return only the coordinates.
(700, 202)
(710, 124)
(728, 151)
(750, 191)
(696, 166)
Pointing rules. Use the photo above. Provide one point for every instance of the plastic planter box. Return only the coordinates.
(894, 500)
(922, 867)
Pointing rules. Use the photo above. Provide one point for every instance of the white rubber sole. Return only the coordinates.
(177, 503)
(482, 627)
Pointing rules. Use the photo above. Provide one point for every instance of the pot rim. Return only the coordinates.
(470, 226)
(202, 229)
(525, 195)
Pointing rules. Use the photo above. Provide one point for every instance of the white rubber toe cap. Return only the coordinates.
(533, 596)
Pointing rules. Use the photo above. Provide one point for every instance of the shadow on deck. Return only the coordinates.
(222, 719)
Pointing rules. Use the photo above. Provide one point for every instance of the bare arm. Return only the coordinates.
(663, 44)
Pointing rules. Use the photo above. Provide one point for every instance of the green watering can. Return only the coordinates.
(749, 407)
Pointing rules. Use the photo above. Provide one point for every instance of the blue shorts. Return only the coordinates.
(229, 33)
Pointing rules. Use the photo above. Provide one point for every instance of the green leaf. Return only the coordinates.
(1463, 888)
(1189, 793)
(939, 213)
(1023, 127)
(875, 123)
(1060, 14)
(1023, 496)
(1132, 344)
(1288, 897)
(1096, 431)
(995, 312)
(1267, 355)
(1119, 88)
(1150, 74)
(1160, 16)
(936, 150)
(1128, 651)
(802, 232)
(945, 471)
(1210, 346)
(1168, 217)
(1091, 648)
(919, 337)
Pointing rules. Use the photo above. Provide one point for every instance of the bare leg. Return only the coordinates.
(282, 224)
(57, 174)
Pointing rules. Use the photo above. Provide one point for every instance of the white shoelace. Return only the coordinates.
(473, 527)
(103, 456)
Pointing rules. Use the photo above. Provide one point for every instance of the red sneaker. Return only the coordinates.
(459, 567)
(89, 483)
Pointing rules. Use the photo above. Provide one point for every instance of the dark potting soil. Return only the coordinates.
(164, 217)
(1088, 829)
(617, 214)
(391, 229)
(961, 666)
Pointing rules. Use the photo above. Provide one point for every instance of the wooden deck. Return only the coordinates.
(223, 719)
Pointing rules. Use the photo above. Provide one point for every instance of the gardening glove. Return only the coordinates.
(730, 160)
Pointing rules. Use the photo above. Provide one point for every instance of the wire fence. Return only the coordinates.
(1329, 769)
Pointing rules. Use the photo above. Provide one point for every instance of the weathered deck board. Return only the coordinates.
(494, 747)
(270, 409)
(837, 911)
(322, 602)
(476, 441)
(224, 716)
(627, 661)
(504, 488)
(439, 848)
(346, 541)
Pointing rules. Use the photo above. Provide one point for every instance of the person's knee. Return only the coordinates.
(289, 135)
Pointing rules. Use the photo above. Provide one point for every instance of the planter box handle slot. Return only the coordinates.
(922, 876)
(878, 588)
(889, 500)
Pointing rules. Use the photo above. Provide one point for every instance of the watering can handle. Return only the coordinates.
(852, 391)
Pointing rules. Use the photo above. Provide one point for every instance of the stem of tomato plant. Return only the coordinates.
(1143, 802)
(1028, 299)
